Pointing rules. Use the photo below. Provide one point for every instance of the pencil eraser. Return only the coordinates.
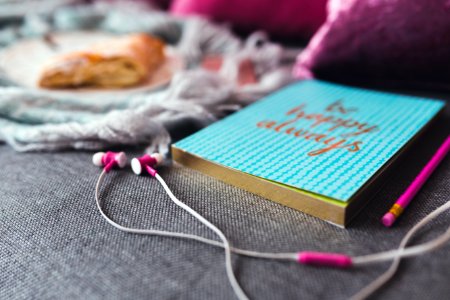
(388, 219)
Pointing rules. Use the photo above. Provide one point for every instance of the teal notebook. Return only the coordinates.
(322, 141)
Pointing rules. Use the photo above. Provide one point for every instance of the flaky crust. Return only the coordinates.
(120, 62)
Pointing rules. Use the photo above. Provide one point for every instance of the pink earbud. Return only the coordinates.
(147, 162)
(109, 160)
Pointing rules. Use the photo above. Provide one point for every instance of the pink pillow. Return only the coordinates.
(382, 40)
(285, 19)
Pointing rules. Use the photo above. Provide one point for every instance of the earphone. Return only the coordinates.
(109, 160)
(149, 164)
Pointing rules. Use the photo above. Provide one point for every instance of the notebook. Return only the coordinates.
(315, 146)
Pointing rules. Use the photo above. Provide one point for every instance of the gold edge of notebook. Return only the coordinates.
(286, 196)
(326, 211)
(377, 180)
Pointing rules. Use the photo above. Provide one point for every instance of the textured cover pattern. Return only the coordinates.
(321, 137)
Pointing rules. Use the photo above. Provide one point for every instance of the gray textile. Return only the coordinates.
(32, 121)
(55, 245)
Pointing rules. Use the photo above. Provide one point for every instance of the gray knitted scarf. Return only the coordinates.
(31, 121)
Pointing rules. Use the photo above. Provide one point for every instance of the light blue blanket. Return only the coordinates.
(30, 121)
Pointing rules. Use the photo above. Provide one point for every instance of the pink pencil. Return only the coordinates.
(404, 200)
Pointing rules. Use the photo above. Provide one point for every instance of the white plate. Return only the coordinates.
(23, 61)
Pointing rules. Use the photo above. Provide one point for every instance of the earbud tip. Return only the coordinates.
(136, 166)
(121, 159)
(97, 159)
(159, 158)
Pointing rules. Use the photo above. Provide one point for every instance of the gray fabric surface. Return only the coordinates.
(55, 245)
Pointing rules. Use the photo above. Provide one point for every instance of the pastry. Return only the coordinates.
(116, 63)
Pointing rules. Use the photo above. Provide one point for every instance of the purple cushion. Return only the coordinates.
(382, 40)
(286, 19)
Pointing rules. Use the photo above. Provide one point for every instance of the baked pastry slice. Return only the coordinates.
(119, 62)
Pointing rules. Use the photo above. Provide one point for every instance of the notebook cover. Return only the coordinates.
(324, 139)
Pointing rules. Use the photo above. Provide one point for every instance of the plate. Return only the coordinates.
(22, 64)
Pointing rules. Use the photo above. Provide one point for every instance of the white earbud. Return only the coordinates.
(147, 162)
(97, 159)
(109, 159)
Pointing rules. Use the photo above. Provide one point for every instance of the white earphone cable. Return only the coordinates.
(229, 268)
(394, 255)
(397, 255)
(226, 245)
(280, 256)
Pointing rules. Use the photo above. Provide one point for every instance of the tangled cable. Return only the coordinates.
(303, 257)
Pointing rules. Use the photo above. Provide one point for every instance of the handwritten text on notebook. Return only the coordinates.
(323, 126)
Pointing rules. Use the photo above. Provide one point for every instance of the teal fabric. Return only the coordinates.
(32, 121)
(27, 116)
